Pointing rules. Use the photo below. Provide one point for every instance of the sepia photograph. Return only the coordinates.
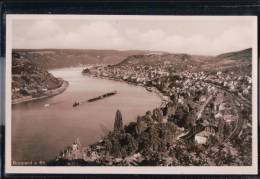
(131, 94)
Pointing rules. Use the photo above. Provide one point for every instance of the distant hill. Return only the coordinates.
(180, 62)
(156, 58)
(239, 55)
(239, 61)
(59, 58)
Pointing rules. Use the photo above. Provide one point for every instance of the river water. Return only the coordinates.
(41, 129)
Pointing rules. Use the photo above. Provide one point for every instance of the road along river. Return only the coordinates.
(42, 128)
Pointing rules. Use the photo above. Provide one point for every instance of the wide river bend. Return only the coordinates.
(42, 128)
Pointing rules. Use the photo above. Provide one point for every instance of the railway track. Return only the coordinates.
(238, 127)
(239, 122)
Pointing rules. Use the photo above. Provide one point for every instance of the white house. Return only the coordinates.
(203, 98)
(202, 137)
(229, 118)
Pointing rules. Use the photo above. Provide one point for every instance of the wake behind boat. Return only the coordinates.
(77, 103)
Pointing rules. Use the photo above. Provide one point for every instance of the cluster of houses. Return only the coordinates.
(239, 84)
(187, 86)
(160, 75)
(141, 74)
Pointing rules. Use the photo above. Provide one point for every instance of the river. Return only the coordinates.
(42, 128)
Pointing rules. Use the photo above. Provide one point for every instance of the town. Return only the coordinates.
(204, 114)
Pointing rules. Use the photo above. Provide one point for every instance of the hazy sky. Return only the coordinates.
(208, 36)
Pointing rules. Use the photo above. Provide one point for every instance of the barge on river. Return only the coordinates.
(77, 103)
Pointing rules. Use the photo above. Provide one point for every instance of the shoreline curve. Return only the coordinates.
(154, 90)
(49, 93)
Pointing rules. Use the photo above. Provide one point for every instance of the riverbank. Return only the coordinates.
(49, 93)
(164, 99)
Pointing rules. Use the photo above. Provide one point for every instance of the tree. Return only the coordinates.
(118, 125)
(181, 115)
(157, 115)
(116, 148)
(141, 125)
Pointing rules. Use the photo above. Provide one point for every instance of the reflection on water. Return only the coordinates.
(41, 129)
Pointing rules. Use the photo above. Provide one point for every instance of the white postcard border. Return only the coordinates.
(117, 169)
